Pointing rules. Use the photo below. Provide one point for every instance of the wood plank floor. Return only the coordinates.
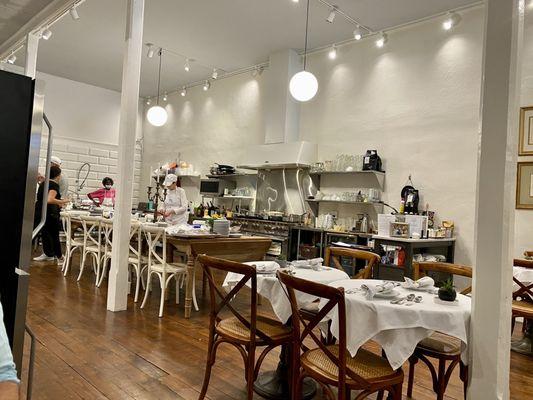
(85, 352)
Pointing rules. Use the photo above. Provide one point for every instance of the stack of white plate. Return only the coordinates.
(221, 227)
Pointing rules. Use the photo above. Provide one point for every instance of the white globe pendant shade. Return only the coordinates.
(157, 116)
(303, 86)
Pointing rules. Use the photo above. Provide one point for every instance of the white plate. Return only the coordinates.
(419, 289)
(387, 295)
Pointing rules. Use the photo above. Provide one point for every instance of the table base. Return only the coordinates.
(273, 385)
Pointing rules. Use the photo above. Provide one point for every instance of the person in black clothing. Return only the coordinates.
(50, 231)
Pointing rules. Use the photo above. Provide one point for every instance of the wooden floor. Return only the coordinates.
(85, 352)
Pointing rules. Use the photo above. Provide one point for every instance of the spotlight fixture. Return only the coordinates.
(358, 33)
(214, 75)
(74, 13)
(187, 65)
(165, 97)
(12, 58)
(206, 86)
(332, 15)
(183, 91)
(157, 115)
(46, 34)
(303, 85)
(332, 54)
(381, 40)
(148, 101)
(452, 19)
(151, 50)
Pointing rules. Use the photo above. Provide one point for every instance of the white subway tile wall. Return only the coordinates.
(102, 160)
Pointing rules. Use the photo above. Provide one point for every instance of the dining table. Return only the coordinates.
(398, 326)
(242, 248)
(275, 385)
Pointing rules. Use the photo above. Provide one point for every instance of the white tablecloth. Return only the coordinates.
(398, 328)
(269, 287)
(524, 275)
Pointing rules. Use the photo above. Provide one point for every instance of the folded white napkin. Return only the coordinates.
(264, 266)
(372, 289)
(307, 263)
(425, 282)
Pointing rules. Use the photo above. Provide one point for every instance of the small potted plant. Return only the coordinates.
(447, 291)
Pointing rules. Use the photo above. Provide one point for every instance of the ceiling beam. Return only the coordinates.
(47, 16)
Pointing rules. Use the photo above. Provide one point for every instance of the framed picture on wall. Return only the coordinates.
(524, 185)
(526, 132)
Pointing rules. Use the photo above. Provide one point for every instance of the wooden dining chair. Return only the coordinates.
(335, 255)
(440, 346)
(92, 244)
(523, 295)
(71, 243)
(244, 333)
(332, 365)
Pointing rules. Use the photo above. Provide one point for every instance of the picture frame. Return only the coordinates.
(400, 229)
(524, 185)
(525, 142)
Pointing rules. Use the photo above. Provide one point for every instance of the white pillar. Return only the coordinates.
(32, 47)
(491, 303)
(117, 293)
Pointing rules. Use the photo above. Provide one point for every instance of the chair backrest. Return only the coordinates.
(336, 253)
(107, 229)
(239, 250)
(220, 300)
(154, 235)
(335, 298)
(135, 233)
(422, 268)
(525, 289)
(66, 222)
(92, 230)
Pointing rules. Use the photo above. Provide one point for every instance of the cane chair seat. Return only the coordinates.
(368, 365)
(232, 327)
(522, 309)
(441, 343)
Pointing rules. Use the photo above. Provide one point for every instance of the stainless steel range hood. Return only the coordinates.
(280, 156)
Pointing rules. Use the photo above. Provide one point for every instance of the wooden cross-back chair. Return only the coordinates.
(71, 243)
(244, 333)
(523, 295)
(92, 244)
(442, 347)
(158, 265)
(332, 365)
(335, 254)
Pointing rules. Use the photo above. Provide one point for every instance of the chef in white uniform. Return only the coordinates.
(174, 209)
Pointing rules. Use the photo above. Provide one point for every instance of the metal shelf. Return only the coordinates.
(377, 173)
(345, 202)
(210, 176)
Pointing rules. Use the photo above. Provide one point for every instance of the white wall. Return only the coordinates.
(416, 101)
(524, 218)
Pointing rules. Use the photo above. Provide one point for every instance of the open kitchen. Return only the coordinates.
(341, 192)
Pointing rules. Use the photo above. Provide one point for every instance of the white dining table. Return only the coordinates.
(270, 287)
(524, 275)
(398, 328)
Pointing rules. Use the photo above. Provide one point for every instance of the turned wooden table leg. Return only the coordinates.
(189, 284)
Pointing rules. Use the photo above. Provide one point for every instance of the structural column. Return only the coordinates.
(32, 47)
(117, 293)
(491, 303)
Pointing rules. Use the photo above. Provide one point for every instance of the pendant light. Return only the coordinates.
(157, 115)
(303, 85)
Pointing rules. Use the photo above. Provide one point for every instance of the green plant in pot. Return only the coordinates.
(447, 291)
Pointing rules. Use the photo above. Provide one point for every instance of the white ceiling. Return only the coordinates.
(227, 34)
(15, 13)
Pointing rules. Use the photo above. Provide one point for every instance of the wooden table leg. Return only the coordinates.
(189, 284)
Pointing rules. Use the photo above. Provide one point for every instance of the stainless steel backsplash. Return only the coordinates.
(284, 190)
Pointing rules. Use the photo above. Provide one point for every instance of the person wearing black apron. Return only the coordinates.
(50, 232)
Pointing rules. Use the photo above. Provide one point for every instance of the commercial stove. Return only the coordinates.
(278, 231)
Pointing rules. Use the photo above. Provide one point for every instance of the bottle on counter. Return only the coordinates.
(402, 206)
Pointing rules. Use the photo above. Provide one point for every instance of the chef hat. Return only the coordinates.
(55, 160)
(170, 179)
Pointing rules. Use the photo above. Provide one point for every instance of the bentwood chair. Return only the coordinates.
(523, 295)
(92, 244)
(243, 332)
(135, 258)
(336, 254)
(71, 243)
(158, 265)
(440, 346)
(332, 365)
